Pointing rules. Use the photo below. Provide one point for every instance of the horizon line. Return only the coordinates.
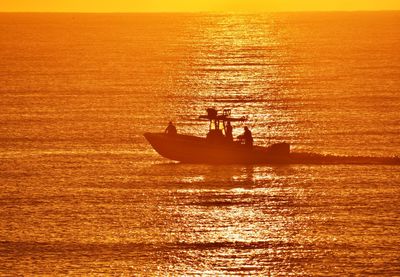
(205, 12)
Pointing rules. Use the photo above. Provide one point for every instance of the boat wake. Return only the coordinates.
(315, 158)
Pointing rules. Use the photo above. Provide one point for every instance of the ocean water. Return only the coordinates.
(82, 192)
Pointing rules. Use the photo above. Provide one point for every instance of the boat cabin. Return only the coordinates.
(218, 123)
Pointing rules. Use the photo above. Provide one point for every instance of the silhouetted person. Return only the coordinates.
(229, 131)
(247, 137)
(170, 130)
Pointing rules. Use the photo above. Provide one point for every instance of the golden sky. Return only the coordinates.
(195, 5)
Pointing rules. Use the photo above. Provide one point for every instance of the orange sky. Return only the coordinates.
(194, 5)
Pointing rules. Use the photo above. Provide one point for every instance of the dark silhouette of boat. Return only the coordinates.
(216, 148)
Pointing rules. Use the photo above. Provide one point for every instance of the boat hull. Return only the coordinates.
(191, 149)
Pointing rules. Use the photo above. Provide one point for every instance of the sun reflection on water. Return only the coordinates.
(228, 60)
(231, 214)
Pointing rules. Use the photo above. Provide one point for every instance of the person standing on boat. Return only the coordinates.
(229, 131)
(171, 129)
(247, 137)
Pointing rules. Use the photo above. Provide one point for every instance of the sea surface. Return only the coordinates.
(83, 193)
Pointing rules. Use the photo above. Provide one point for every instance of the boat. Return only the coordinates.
(216, 147)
